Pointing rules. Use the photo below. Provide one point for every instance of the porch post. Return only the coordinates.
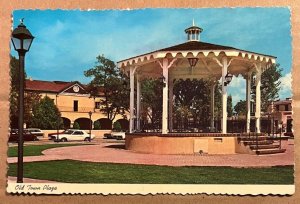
(258, 98)
(131, 122)
(248, 101)
(171, 84)
(224, 96)
(165, 97)
(138, 102)
(212, 105)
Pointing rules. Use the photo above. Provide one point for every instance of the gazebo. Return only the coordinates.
(195, 59)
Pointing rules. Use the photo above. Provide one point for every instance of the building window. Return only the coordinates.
(75, 106)
(277, 107)
(97, 105)
(286, 107)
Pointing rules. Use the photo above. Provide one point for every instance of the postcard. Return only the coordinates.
(151, 101)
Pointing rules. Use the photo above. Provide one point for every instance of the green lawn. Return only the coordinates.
(70, 171)
(36, 150)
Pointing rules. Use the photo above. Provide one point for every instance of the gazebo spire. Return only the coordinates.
(193, 32)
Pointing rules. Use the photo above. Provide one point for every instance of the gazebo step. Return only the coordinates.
(271, 146)
(253, 138)
(253, 134)
(253, 142)
(270, 151)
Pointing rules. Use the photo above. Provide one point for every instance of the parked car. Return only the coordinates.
(55, 133)
(36, 131)
(107, 136)
(27, 136)
(118, 135)
(73, 135)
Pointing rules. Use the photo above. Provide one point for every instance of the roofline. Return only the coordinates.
(160, 50)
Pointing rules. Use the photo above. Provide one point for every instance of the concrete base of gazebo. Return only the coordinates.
(185, 143)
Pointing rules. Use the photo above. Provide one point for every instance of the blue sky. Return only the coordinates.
(67, 42)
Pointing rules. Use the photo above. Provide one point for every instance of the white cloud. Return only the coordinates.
(286, 86)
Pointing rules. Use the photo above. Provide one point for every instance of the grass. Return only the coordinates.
(36, 150)
(70, 171)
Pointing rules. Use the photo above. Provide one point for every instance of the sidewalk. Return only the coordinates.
(11, 179)
(115, 153)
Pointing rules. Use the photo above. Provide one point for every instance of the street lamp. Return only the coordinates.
(193, 62)
(90, 114)
(21, 40)
(228, 79)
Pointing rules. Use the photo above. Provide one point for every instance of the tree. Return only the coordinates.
(229, 106)
(192, 100)
(107, 77)
(30, 98)
(151, 106)
(45, 115)
(241, 107)
(270, 86)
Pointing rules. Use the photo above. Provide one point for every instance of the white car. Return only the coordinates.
(118, 135)
(73, 135)
(36, 131)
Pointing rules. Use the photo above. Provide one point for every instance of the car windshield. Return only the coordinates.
(69, 132)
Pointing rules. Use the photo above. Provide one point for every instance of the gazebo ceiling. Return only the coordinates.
(208, 54)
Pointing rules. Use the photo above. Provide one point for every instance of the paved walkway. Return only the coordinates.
(11, 179)
(115, 153)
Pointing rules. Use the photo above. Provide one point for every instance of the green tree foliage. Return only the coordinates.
(30, 98)
(151, 106)
(97, 125)
(117, 126)
(270, 86)
(229, 106)
(192, 100)
(76, 125)
(241, 107)
(45, 114)
(108, 78)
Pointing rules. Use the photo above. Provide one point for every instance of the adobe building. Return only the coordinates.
(74, 102)
(281, 115)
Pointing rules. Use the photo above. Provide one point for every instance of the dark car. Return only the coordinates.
(27, 136)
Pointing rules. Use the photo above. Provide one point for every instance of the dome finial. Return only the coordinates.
(193, 32)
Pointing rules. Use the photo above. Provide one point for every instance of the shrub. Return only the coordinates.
(97, 125)
(76, 125)
(117, 126)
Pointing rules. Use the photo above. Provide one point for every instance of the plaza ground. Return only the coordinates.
(112, 155)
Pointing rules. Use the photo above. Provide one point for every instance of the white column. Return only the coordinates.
(138, 102)
(212, 106)
(165, 65)
(165, 97)
(171, 105)
(258, 98)
(131, 122)
(248, 101)
(224, 96)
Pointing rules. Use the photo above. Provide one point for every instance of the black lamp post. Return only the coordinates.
(90, 114)
(21, 40)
